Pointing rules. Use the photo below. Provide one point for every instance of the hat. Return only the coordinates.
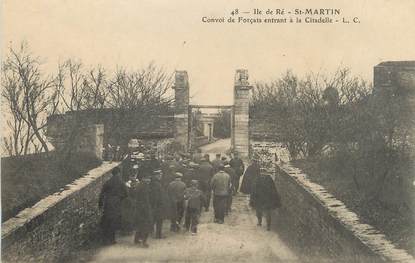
(115, 171)
(179, 174)
(193, 164)
(140, 156)
(194, 182)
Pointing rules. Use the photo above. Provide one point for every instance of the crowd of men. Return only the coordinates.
(179, 187)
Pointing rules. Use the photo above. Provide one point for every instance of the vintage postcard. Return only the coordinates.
(207, 131)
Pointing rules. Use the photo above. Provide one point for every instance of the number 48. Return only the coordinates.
(235, 12)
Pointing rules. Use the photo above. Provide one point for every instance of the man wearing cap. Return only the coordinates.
(238, 165)
(205, 175)
(156, 201)
(190, 173)
(221, 186)
(110, 200)
(175, 191)
(195, 200)
(216, 163)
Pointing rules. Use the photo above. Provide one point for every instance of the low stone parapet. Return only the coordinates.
(57, 224)
(323, 227)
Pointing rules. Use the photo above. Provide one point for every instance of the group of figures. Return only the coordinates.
(180, 187)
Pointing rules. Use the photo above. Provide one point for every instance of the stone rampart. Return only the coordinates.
(58, 224)
(323, 228)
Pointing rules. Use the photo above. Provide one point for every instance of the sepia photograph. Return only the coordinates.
(207, 131)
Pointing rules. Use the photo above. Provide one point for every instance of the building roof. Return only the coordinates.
(406, 64)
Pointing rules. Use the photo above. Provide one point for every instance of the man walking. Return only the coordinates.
(156, 201)
(205, 176)
(113, 193)
(195, 200)
(176, 194)
(251, 173)
(221, 183)
(238, 165)
(264, 198)
(143, 213)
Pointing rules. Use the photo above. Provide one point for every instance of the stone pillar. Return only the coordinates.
(240, 118)
(181, 109)
(92, 140)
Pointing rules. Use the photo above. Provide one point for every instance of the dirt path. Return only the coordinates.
(220, 146)
(238, 240)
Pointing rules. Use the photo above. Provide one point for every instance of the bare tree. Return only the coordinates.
(148, 86)
(30, 97)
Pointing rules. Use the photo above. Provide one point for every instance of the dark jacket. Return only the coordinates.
(238, 165)
(264, 194)
(205, 172)
(176, 190)
(156, 199)
(221, 184)
(229, 170)
(143, 214)
(110, 199)
(195, 198)
(145, 169)
(251, 173)
(168, 174)
(189, 175)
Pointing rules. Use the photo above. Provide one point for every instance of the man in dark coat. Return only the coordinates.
(156, 201)
(176, 195)
(143, 214)
(221, 184)
(195, 200)
(190, 173)
(154, 163)
(168, 171)
(206, 173)
(264, 198)
(127, 207)
(238, 165)
(145, 169)
(111, 197)
(251, 173)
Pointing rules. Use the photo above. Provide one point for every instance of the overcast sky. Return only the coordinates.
(132, 33)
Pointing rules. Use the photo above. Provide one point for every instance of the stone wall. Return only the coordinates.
(119, 125)
(323, 228)
(58, 224)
